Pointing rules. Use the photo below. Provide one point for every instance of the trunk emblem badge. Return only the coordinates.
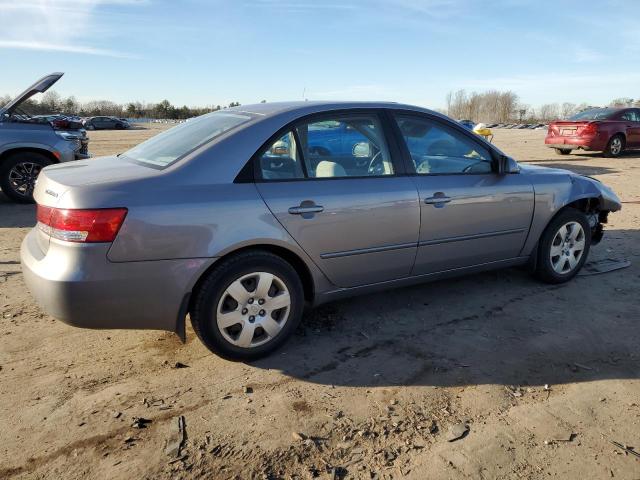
(51, 192)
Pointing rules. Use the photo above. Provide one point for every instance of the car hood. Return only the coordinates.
(40, 86)
(529, 169)
(584, 186)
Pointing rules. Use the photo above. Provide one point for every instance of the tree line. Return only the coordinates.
(53, 103)
(492, 106)
(501, 107)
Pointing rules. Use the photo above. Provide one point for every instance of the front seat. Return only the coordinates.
(327, 169)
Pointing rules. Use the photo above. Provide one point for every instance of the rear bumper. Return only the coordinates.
(572, 143)
(77, 284)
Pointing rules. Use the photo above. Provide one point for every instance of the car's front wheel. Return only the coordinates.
(248, 306)
(18, 175)
(563, 247)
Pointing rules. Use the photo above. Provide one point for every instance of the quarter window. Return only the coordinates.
(281, 161)
(438, 149)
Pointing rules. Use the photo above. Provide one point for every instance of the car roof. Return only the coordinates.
(304, 107)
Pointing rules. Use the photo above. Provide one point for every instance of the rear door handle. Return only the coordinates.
(437, 199)
(306, 209)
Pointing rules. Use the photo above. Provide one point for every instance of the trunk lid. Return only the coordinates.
(40, 86)
(568, 128)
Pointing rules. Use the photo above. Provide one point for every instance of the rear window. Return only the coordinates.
(595, 114)
(170, 146)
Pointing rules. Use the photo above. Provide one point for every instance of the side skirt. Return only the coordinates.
(404, 282)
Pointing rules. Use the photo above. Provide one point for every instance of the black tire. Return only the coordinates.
(204, 309)
(563, 151)
(544, 268)
(612, 150)
(90, 126)
(28, 163)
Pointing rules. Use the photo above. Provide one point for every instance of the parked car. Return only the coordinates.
(609, 130)
(232, 218)
(468, 124)
(106, 123)
(29, 143)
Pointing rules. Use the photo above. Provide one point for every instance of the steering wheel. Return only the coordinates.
(376, 165)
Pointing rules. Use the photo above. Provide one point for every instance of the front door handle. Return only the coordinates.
(438, 199)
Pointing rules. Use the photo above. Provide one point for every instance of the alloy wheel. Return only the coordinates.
(616, 146)
(23, 176)
(567, 248)
(253, 309)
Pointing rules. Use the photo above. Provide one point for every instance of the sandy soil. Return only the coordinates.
(368, 387)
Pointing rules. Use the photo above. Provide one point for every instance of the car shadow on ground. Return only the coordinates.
(16, 215)
(499, 327)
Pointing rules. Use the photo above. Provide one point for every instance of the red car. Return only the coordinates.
(610, 130)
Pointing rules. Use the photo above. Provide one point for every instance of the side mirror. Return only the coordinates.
(362, 150)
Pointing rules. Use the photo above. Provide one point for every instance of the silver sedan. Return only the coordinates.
(242, 217)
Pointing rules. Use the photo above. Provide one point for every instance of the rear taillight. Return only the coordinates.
(83, 226)
(589, 129)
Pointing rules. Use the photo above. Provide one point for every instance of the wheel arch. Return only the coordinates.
(620, 133)
(30, 149)
(586, 204)
(286, 254)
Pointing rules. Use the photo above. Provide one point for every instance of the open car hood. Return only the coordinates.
(40, 86)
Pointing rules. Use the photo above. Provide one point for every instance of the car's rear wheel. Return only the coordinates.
(248, 306)
(563, 247)
(615, 147)
(18, 175)
(563, 151)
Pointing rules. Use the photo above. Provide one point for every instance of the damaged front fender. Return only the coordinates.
(556, 189)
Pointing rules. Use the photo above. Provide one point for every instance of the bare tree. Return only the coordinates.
(491, 106)
(621, 102)
(568, 109)
(548, 112)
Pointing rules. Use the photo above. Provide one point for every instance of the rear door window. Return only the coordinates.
(340, 147)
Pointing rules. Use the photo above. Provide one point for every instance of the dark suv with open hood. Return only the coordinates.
(28, 143)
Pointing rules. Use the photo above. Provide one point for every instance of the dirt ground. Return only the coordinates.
(545, 377)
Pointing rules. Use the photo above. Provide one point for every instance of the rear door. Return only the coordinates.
(631, 118)
(470, 215)
(355, 216)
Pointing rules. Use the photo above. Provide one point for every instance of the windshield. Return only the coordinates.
(168, 147)
(594, 114)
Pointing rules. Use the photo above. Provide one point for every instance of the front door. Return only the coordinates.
(470, 215)
(355, 217)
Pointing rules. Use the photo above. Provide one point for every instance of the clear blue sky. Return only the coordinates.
(198, 52)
